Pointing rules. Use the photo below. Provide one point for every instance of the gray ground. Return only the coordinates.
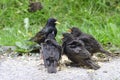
(31, 68)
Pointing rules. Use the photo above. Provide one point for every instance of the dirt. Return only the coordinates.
(32, 68)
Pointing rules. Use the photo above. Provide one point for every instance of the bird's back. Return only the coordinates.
(51, 56)
(42, 34)
(76, 51)
(90, 42)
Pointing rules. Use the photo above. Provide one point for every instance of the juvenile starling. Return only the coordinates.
(49, 28)
(91, 44)
(51, 53)
(76, 51)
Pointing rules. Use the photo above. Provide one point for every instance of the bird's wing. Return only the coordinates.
(76, 43)
(49, 29)
(77, 52)
(54, 43)
(90, 40)
(57, 53)
(87, 38)
(45, 50)
(78, 49)
(57, 48)
(38, 37)
(72, 49)
(50, 51)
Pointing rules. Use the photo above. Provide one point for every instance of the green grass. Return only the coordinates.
(101, 18)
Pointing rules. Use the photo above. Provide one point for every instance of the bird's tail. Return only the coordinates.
(105, 52)
(92, 64)
(52, 68)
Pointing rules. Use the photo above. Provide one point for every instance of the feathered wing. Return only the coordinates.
(93, 45)
(45, 53)
(39, 37)
(51, 57)
(76, 48)
(89, 40)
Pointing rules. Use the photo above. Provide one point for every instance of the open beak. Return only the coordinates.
(62, 38)
(57, 22)
(69, 30)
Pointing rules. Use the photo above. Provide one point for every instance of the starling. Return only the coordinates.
(76, 51)
(51, 53)
(91, 44)
(49, 28)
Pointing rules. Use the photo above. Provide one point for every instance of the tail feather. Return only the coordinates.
(52, 68)
(105, 52)
(92, 65)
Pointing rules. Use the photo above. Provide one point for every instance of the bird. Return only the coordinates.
(51, 51)
(76, 51)
(42, 34)
(91, 44)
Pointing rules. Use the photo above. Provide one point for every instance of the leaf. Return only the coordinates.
(26, 46)
(26, 24)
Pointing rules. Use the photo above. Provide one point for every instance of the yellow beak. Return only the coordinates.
(62, 37)
(69, 30)
(57, 22)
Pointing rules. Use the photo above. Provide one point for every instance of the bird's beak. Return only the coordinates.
(57, 22)
(62, 37)
(69, 30)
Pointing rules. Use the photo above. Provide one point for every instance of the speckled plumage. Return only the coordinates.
(91, 44)
(76, 51)
(49, 28)
(51, 53)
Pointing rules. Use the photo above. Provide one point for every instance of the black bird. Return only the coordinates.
(91, 44)
(76, 51)
(51, 53)
(49, 28)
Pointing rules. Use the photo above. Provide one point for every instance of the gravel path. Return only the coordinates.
(31, 68)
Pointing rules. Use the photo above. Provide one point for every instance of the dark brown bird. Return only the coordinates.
(76, 51)
(34, 6)
(91, 44)
(51, 53)
(49, 28)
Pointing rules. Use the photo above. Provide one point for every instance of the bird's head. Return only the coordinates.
(75, 31)
(52, 22)
(67, 37)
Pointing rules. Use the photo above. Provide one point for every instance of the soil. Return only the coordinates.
(31, 68)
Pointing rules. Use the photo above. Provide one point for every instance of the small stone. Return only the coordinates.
(105, 71)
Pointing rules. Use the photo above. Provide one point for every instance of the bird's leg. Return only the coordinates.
(60, 65)
(41, 54)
